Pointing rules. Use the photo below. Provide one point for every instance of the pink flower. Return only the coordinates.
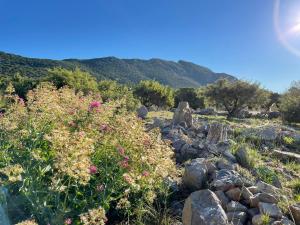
(21, 101)
(124, 163)
(95, 104)
(121, 150)
(104, 127)
(68, 221)
(127, 178)
(72, 124)
(93, 169)
(126, 157)
(145, 173)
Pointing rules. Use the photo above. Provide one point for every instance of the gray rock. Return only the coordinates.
(234, 194)
(208, 111)
(225, 164)
(142, 112)
(234, 206)
(283, 221)
(268, 134)
(267, 188)
(246, 194)
(223, 198)
(183, 113)
(253, 189)
(252, 212)
(286, 156)
(295, 210)
(203, 208)
(217, 133)
(270, 209)
(195, 174)
(243, 158)
(237, 218)
(227, 179)
(258, 220)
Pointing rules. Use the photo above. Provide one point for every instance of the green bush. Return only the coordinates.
(190, 95)
(290, 104)
(76, 79)
(153, 93)
(235, 96)
(111, 90)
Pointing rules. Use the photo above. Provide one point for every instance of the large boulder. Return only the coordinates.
(195, 174)
(142, 112)
(267, 188)
(203, 208)
(217, 133)
(242, 157)
(270, 209)
(183, 114)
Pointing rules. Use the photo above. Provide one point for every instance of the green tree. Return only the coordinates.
(111, 90)
(190, 95)
(77, 79)
(236, 95)
(153, 93)
(290, 104)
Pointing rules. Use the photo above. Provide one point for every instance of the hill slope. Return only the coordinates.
(175, 74)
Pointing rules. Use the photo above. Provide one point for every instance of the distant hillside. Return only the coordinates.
(175, 74)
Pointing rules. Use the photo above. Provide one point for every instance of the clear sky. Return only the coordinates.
(232, 36)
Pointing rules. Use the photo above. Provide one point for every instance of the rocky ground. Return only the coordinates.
(232, 172)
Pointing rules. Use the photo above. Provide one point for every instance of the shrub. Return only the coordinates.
(153, 93)
(290, 104)
(265, 174)
(76, 79)
(235, 96)
(111, 90)
(71, 156)
(191, 96)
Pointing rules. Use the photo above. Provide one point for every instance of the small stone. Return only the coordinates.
(234, 194)
(268, 198)
(270, 209)
(252, 212)
(254, 190)
(236, 206)
(295, 210)
(267, 188)
(237, 218)
(142, 112)
(246, 194)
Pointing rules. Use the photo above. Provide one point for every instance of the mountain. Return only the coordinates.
(175, 74)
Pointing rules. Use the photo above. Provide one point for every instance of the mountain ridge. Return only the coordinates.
(175, 74)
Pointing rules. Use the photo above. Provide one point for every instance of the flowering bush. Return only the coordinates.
(78, 161)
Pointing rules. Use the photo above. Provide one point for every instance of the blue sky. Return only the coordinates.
(232, 36)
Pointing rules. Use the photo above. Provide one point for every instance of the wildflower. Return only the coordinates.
(124, 163)
(145, 173)
(95, 104)
(127, 178)
(93, 169)
(94, 217)
(126, 157)
(104, 127)
(21, 102)
(27, 222)
(68, 221)
(72, 124)
(121, 150)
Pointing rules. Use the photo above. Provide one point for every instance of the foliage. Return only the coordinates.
(266, 174)
(191, 96)
(290, 104)
(153, 93)
(111, 90)
(77, 160)
(235, 96)
(76, 79)
(21, 84)
(180, 74)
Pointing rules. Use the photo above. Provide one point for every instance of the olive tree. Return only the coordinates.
(234, 96)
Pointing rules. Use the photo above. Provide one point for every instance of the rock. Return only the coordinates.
(223, 198)
(183, 113)
(142, 112)
(203, 208)
(227, 179)
(225, 164)
(286, 156)
(235, 206)
(177, 145)
(229, 156)
(252, 212)
(242, 158)
(176, 208)
(253, 189)
(217, 133)
(195, 174)
(246, 194)
(283, 221)
(268, 198)
(267, 188)
(242, 114)
(274, 115)
(237, 218)
(208, 111)
(268, 134)
(270, 209)
(234, 194)
(295, 211)
(254, 201)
